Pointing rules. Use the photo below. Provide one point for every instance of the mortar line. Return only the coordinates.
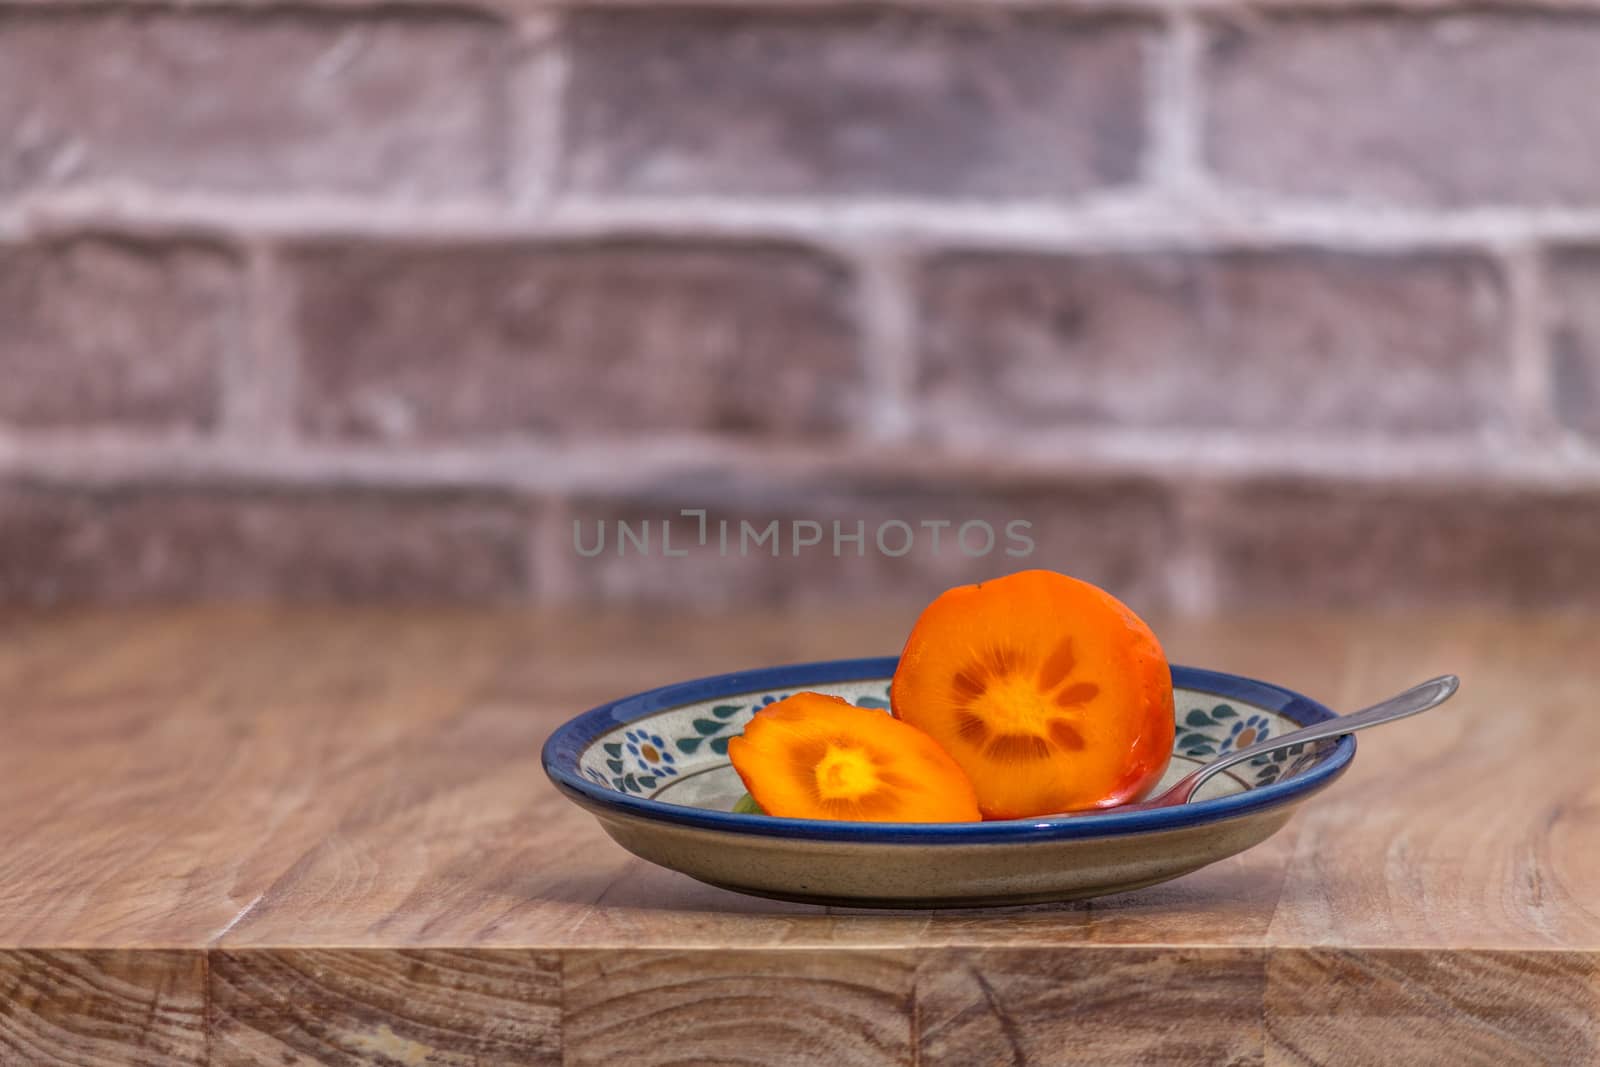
(512, 10)
(536, 89)
(274, 299)
(1531, 382)
(257, 380)
(113, 458)
(1201, 217)
(887, 317)
(550, 563)
(1173, 162)
(1193, 587)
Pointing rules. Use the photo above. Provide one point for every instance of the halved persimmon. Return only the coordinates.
(813, 756)
(1049, 692)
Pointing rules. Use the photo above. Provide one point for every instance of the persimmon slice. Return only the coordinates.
(1049, 692)
(813, 756)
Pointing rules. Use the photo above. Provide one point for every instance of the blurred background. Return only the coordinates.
(1226, 308)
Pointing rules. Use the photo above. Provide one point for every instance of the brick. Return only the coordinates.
(617, 338)
(1279, 543)
(99, 331)
(1418, 109)
(256, 102)
(1574, 340)
(60, 544)
(1290, 339)
(864, 102)
(1118, 533)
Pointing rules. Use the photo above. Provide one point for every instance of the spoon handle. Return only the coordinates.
(1418, 698)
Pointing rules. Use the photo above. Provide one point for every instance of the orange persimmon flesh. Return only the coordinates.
(1049, 692)
(813, 756)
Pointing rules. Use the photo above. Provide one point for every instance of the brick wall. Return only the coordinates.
(1235, 307)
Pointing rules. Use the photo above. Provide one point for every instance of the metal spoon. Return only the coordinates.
(1418, 698)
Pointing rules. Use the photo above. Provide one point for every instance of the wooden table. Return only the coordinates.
(248, 836)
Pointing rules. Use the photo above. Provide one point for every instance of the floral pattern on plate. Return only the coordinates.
(1223, 728)
(644, 757)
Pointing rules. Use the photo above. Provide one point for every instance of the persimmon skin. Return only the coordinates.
(815, 756)
(1049, 692)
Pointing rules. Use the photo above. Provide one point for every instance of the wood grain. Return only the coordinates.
(1016, 1007)
(155, 793)
(1381, 1006)
(750, 1009)
(1470, 827)
(102, 1008)
(348, 1007)
(341, 814)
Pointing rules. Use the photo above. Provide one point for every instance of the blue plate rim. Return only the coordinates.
(565, 746)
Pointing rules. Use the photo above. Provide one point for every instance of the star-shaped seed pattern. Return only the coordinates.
(1002, 667)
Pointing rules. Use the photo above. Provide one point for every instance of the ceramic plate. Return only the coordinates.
(653, 768)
